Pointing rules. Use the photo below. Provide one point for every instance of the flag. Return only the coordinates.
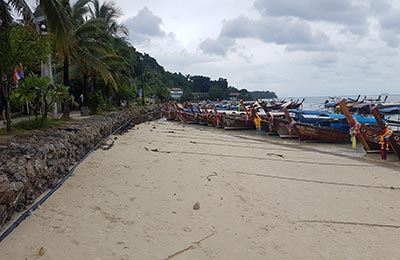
(18, 73)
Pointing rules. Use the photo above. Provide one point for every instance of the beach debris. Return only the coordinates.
(154, 150)
(192, 246)
(107, 145)
(187, 229)
(154, 127)
(42, 251)
(196, 206)
(115, 137)
(193, 142)
(211, 175)
(275, 154)
(146, 148)
(171, 132)
(349, 223)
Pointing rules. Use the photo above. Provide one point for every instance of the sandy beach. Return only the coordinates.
(257, 200)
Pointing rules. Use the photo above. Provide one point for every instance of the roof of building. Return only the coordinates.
(176, 89)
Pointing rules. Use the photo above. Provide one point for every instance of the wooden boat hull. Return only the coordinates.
(394, 140)
(395, 143)
(203, 120)
(372, 137)
(238, 122)
(188, 118)
(308, 132)
(283, 129)
(171, 116)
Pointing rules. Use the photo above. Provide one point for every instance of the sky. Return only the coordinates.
(291, 47)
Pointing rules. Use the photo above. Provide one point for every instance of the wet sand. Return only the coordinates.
(258, 200)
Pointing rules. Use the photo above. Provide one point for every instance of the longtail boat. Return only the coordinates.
(281, 104)
(316, 132)
(284, 128)
(367, 134)
(202, 116)
(261, 121)
(393, 138)
(171, 112)
(186, 114)
(237, 120)
(366, 106)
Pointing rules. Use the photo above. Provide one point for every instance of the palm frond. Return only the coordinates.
(22, 8)
(59, 23)
(5, 14)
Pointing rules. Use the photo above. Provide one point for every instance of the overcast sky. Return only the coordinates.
(292, 47)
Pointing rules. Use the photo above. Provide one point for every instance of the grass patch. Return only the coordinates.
(36, 124)
(29, 125)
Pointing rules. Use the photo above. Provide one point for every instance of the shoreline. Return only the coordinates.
(258, 200)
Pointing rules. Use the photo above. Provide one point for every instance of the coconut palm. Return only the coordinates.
(110, 13)
(89, 47)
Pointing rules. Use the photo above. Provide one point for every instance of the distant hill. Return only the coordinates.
(158, 81)
(262, 94)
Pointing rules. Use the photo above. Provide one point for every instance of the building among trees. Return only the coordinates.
(176, 93)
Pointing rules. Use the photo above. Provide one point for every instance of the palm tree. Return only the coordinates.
(89, 48)
(110, 13)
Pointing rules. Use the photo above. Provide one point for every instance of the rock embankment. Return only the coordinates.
(34, 163)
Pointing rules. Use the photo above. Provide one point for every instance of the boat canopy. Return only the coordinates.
(390, 110)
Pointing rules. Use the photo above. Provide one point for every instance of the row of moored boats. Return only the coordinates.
(374, 130)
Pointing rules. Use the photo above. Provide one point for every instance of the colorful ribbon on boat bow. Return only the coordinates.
(257, 121)
(385, 134)
(354, 131)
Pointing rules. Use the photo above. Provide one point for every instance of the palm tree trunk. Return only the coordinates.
(66, 103)
(7, 108)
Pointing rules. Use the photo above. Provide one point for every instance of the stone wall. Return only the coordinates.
(34, 163)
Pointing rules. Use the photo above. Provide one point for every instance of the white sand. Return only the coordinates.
(132, 203)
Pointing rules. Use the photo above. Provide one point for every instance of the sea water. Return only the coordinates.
(317, 102)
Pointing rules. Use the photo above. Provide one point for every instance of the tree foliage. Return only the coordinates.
(94, 58)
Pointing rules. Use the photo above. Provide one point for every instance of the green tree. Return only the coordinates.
(200, 83)
(56, 19)
(38, 93)
(216, 93)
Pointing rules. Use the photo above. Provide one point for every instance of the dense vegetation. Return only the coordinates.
(89, 55)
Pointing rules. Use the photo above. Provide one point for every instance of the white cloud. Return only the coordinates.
(292, 47)
(219, 46)
(144, 26)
